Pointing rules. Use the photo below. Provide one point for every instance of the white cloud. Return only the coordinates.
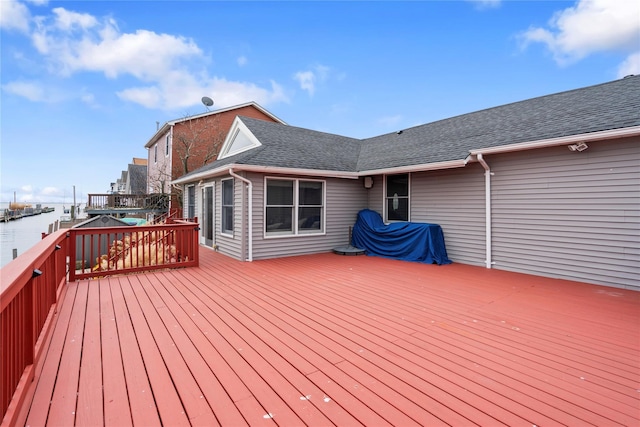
(631, 65)
(38, 91)
(307, 81)
(14, 16)
(31, 91)
(588, 27)
(89, 99)
(67, 20)
(28, 193)
(309, 78)
(231, 93)
(179, 91)
(486, 4)
(150, 97)
(242, 61)
(170, 69)
(51, 191)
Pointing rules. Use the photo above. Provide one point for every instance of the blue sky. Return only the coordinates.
(83, 83)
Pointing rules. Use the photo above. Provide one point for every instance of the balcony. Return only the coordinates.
(119, 204)
(322, 340)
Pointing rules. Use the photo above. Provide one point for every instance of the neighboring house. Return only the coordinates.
(548, 186)
(121, 183)
(133, 180)
(136, 182)
(185, 144)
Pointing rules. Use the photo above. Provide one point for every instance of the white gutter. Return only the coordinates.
(250, 207)
(563, 140)
(487, 208)
(266, 170)
(415, 168)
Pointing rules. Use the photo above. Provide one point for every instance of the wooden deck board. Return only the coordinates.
(89, 411)
(46, 381)
(65, 394)
(176, 321)
(346, 341)
(161, 384)
(117, 409)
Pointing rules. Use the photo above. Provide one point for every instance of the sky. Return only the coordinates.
(84, 84)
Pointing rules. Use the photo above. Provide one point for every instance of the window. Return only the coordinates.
(155, 153)
(397, 197)
(294, 207)
(166, 150)
(227, 206)
(191, 202)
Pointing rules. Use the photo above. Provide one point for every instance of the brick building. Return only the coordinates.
(183, 145)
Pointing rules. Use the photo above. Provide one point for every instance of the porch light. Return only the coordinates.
(581, 146)
(368, 182)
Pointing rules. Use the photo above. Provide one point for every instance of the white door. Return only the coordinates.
(207, 224)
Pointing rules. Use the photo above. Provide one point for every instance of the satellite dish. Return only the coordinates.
(208, 102)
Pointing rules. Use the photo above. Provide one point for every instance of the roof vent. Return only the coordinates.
(628, 75)
(399, 132)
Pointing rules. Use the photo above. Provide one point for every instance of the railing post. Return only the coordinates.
(28, 325)
(71, 235)
(195, 244)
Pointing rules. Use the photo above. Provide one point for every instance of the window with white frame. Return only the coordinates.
(166, 145)
(397, 197)
(191, 201)
(227, 205)
(294, 206)
(155, 153)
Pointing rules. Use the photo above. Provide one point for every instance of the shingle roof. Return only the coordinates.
(287, 146)
(606, 106)
(138, 178)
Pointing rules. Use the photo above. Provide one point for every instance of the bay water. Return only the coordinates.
(23, 233)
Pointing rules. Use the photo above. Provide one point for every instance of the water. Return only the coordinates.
(22, 234)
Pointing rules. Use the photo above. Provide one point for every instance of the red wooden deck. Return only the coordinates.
(340, 340)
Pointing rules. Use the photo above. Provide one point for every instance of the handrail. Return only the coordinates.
(153, 202)
(164, 217)
(104, 251)
(32, 285)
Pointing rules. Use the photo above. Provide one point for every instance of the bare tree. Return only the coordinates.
(195, 142)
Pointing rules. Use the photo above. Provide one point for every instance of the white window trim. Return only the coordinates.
(384, 198)
(237, 127)
(204, 188)
(222, 205)
(195, 200)
(295, 232)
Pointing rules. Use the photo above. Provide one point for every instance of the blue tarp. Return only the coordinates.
(409, 241)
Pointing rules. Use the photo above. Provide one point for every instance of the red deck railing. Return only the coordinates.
(31, 286)
(114, 250)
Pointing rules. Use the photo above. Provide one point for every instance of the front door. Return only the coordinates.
(207, 233)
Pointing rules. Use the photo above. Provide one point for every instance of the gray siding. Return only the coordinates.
(344, 198)
(454, 199)
(571, 215)
(375, 195)
(231, 245)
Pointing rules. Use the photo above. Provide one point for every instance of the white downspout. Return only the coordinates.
(487, 209)
(250, 207)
